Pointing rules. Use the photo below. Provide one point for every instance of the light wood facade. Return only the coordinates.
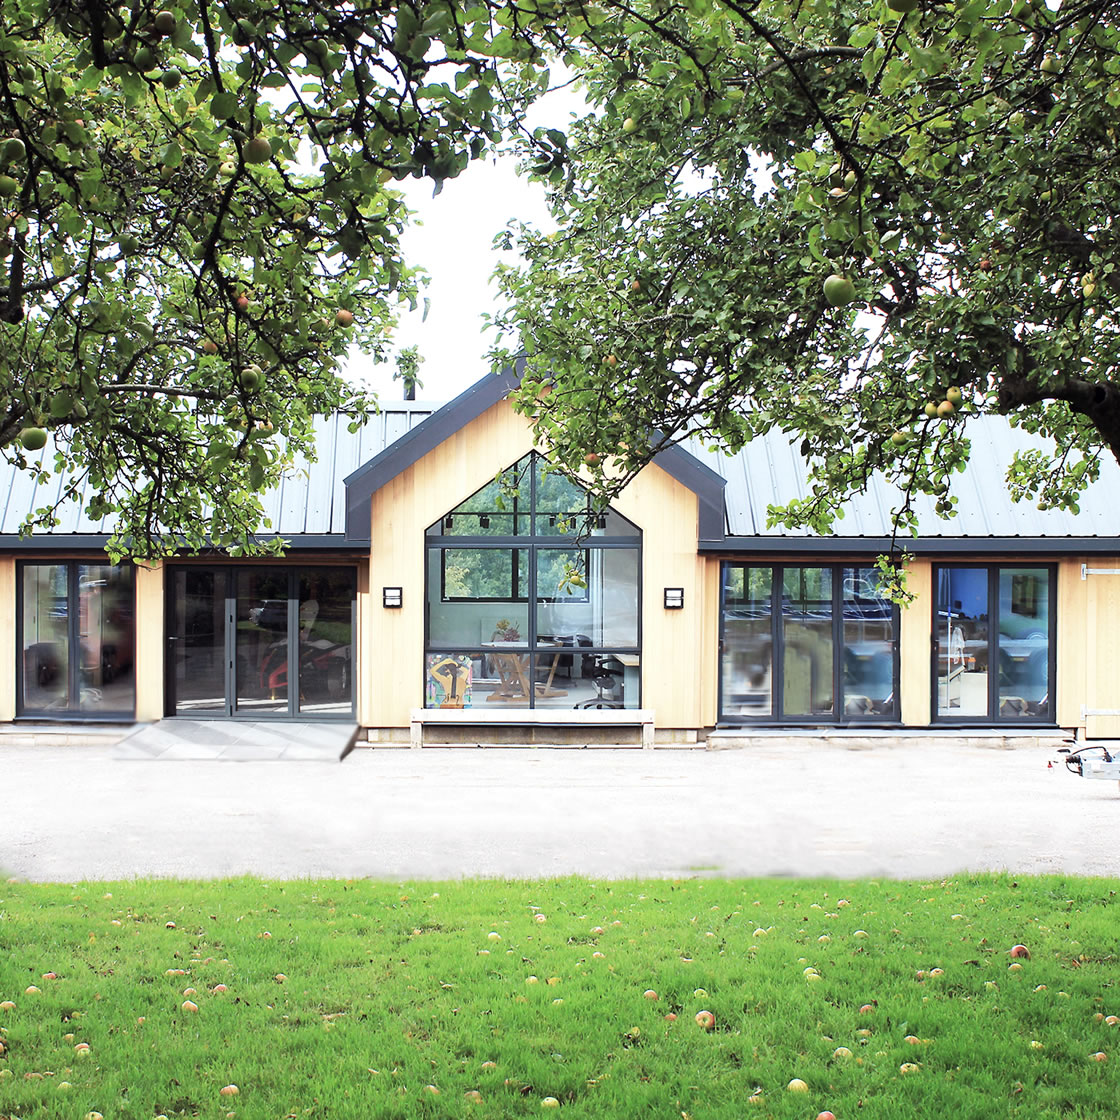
(680, 663)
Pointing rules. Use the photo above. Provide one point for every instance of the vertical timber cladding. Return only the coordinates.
(1099, 709)
(150, 645)
(915, 647)
(679, 670)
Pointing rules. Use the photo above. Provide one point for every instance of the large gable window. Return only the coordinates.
(533, 597)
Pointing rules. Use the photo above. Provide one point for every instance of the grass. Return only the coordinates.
(356, 999)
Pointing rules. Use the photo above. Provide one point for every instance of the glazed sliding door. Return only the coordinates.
(76, 634)
(197, 639)
(261, 642)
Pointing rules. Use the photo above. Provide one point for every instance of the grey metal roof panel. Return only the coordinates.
(309, 502)
(771, 471)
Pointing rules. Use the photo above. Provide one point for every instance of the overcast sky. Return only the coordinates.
(452, 238)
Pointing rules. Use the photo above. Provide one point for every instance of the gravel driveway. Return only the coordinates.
(72, 813)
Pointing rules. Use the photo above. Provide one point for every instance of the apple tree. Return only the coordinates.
(861, 224)
(198, 218)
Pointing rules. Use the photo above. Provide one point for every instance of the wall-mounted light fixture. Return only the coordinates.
(392, 598)
(484, 521)
(448, 522)
(674, 598)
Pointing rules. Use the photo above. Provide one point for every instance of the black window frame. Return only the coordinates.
(838, 718)
(73, 712)
(993, 718)
(516, 550)
(230, 708)
(530, 545)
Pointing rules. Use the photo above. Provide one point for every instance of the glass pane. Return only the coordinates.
(1024, 643)
(807, 659)
(326, 650)
(45, 638)
(261, 680)
(566, 678)
(499, 509)
(107, 675)
(465, 680)
(869, 642)
(961, 642)
(563, 603)
(199, 640)
(563, 509)
(747, 641)
(609, 616)
(456, 620)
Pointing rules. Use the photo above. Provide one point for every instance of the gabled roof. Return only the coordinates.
(677, 462)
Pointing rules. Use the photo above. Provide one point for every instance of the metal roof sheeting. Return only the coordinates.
(310, 501)
(771, 471)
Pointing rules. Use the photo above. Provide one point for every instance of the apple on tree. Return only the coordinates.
(839, 290)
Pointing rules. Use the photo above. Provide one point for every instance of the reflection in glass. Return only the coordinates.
(961, 642)
(78, 639)
(869, 640)
(325, 612)
(261, 645)
(46, 642)
(1024, 642)
(107, 675)
(807, 664)
(563, 508)
(198, 633)
(747, 642)
(467, 623)
(604, 613)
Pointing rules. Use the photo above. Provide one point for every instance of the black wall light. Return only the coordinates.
(392, 597)
(674, 598)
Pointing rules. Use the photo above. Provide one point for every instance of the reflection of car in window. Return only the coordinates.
(272, 614)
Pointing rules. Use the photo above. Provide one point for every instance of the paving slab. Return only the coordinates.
(73, 813)
(225, 740)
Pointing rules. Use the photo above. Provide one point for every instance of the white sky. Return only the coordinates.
(452, 238)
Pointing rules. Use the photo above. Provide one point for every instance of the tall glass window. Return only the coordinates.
(993, 643)
(77, 639)
(532, 598)
(807, 643)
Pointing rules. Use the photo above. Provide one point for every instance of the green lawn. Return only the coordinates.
(484, 998)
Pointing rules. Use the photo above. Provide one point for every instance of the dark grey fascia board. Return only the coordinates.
(70, 542)
(917, 546)
(706, 484)
(363, 483)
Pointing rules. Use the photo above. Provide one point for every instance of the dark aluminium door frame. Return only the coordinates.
(230, 710)
(777, 668)
(993, 716)
(73, 710)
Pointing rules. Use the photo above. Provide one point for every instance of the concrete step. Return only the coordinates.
(862, 739)
(27, 733)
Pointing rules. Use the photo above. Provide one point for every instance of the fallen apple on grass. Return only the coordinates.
(706, 1020)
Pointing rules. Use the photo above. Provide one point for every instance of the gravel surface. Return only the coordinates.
(74, 813)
